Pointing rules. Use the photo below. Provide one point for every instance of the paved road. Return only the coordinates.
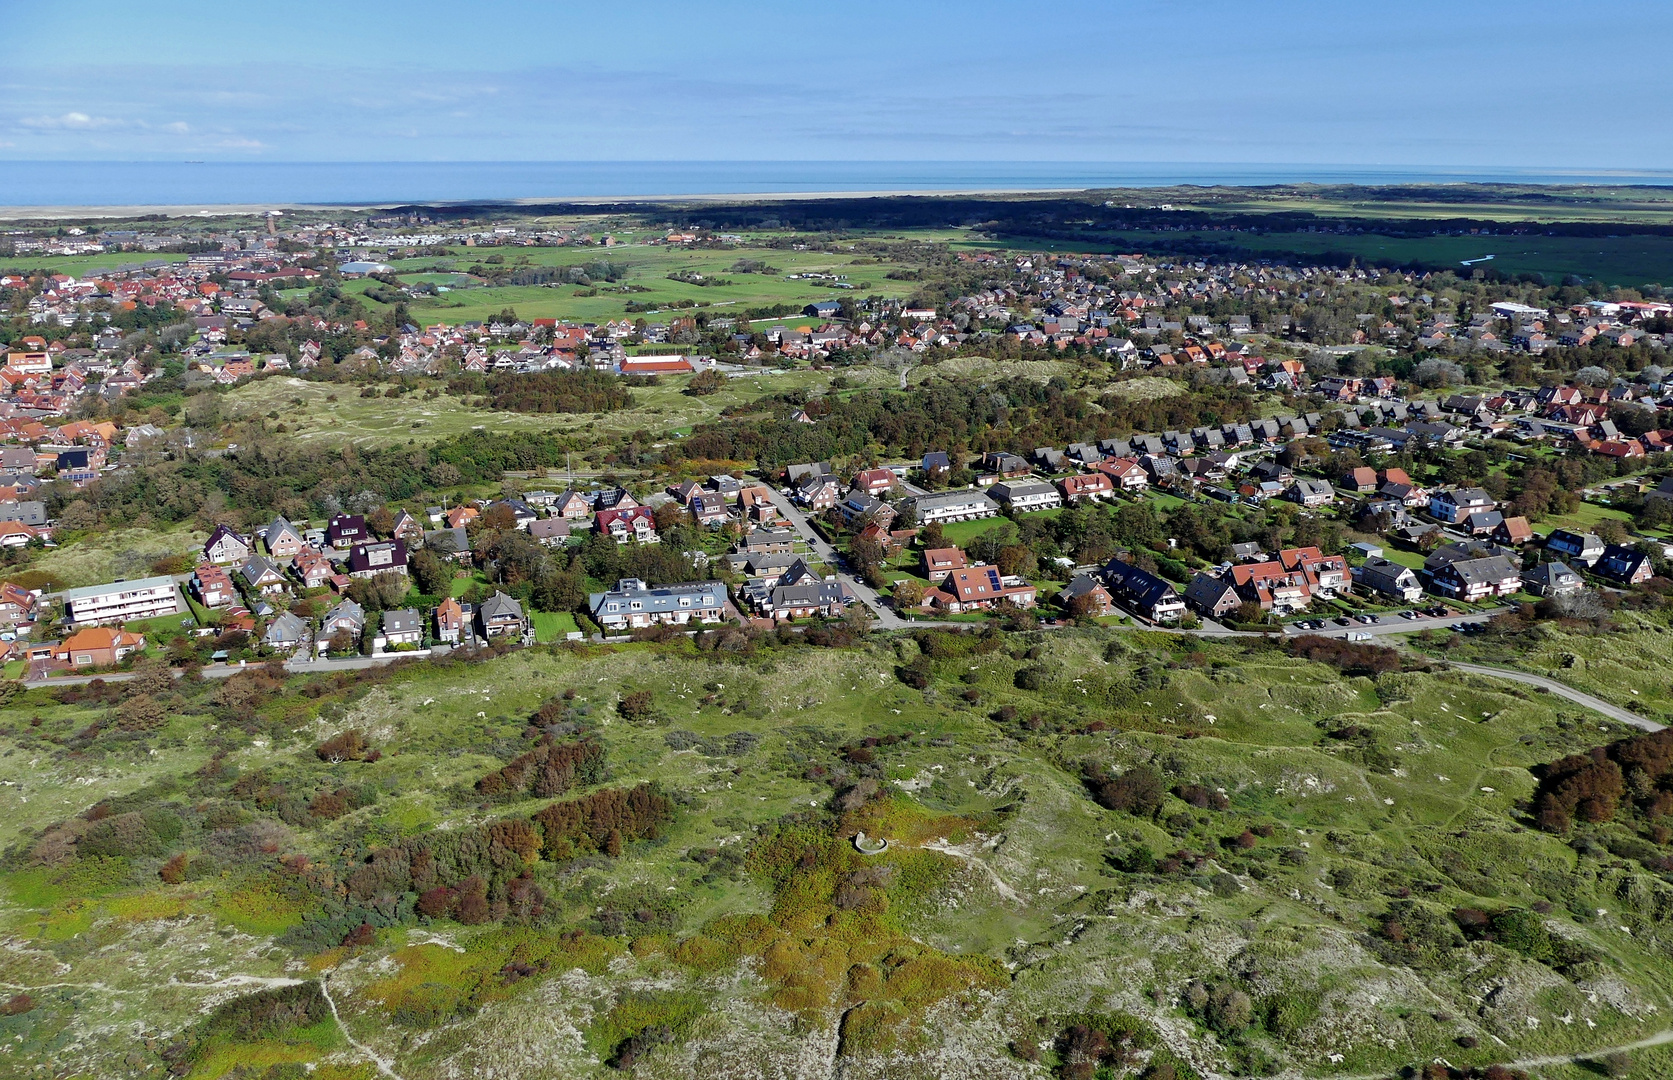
(1614, 712)
(1394, 624)
(886, 617)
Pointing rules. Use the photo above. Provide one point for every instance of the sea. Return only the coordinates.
(245, 183)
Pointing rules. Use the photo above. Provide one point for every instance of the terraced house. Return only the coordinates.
(946, 506)
(633, 604)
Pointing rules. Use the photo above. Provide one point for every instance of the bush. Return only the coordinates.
(639, 705)
(1136, 791)
(350, 745)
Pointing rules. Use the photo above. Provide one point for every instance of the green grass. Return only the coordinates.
(165, 625)
(309, 414)
(77, 265)
(648, 269)
(1031, 865)
(552, 625)
(462, 585)
(97, 557)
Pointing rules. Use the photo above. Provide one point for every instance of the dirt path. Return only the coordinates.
(1660, 1038)
(382, 1065)
(968, 854)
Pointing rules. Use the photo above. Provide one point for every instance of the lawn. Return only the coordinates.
(164, 625)
(552, 625)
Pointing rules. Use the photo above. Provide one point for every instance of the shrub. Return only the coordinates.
(1203, 798)
(1348, 657)
(142, 712)
(550, 769)
(173, 872)
(1136, 791)
(350, 745)
(17, 1005)
(638, 705)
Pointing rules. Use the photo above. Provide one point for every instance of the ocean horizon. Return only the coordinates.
(212, 183)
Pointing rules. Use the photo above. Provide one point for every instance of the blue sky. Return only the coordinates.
(1531, 83)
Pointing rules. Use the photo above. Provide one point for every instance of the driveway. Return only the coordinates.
(886, 617)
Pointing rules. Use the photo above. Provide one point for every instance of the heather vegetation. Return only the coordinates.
(1108, 854)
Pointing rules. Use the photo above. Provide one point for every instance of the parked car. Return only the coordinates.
(1343, 620)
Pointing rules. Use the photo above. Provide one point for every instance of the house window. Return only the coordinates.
(685, 601)
(636, 605)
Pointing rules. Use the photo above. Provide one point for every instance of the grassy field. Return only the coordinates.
(310, 414)
(1001, 863)
(79, 265)
(646, 281)
(98, 557)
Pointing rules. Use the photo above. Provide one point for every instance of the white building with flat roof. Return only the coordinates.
(123, 601)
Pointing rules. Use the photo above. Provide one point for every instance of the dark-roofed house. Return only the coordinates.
(1211, 596)
(285, 632)
(1025, 495)
(452, 543)
(402, 626)
(1454, 505)
(1389, 578)
(283, 540)
(1553, 579)
(1086, 595)
(806, 599)
(382, 557)
(1624, 565)
(225, 547)
(346, 530)
(1311, 493)
(1143, 592)
(960, 505)
(937, 464)
(1483, 522)
(262, 575)
(553, 532)
(1472, 580)
(1582, 548)
(500, 615)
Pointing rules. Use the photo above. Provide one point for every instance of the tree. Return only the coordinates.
(434, 576)
(908, 595)
(1250, 611)
(705, 383)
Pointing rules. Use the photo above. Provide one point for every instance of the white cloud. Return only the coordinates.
(75, 121)
(239, 143)
(179, 127)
